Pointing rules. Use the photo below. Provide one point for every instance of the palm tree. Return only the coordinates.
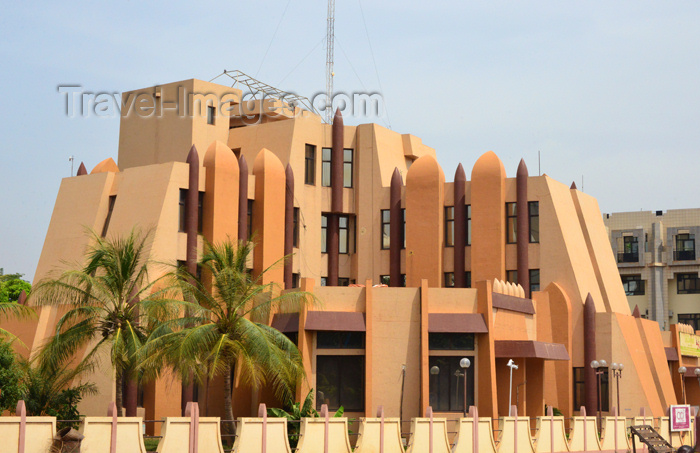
(112, 301)
(226, 331)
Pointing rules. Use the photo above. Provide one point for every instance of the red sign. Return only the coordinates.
(680, 418)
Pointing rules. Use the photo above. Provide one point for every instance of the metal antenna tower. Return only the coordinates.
(330, 41)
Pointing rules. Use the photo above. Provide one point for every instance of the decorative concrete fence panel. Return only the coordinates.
(37, 438)
(584, 435)
(551, 435)
(614, 435)
(515, 435)
(428, 434)
(379, 435)
(262, 435)
(191, 434)
(112, 435)
(675, 439)
(473, 438)
(643, 420)
(324, 434)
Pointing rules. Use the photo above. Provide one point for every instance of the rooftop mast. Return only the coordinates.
(330, 41)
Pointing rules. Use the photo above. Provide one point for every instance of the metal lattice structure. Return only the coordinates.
(330, 42)
(261, 90)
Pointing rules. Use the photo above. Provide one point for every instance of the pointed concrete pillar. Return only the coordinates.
(395, 229)
(82, 170)
(460, 235)
(243, 199)
(589, 352)
(288, 226)
(220, 222)
(523, 227)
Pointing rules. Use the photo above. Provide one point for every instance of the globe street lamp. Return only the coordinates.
(681, 371)
(617, 374)
(464, 364)
(697, 374)
(598, 365)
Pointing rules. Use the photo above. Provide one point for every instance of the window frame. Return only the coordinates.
(681, 277)
(326, 167)
(449, 220)
(310, 164)
(385, 229)
(628, 278)
(511, 223)
(351, 163)
(531, 217)
(534, 285)
(211, 115)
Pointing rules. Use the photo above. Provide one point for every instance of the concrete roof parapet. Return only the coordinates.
(220, 155)
(488, 165)
(266, 161)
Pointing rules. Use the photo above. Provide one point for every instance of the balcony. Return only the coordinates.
(684, 255)
(631, 257)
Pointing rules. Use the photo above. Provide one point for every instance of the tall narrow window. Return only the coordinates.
(310, 165)
(250, 219)
(469, 224)
(347, 167)
(211, 114)
(295, 230)
(512, 276)
(386, 228)
(685, 247)
(511, 223)
(633, 285)
(326, 167)
(449, 226)
(403, 235)
(534, 212)
(324, 233)
(534, 280)
(449, 279)
(343, 234)
(468, 279)
(110, 208)
(182, 207)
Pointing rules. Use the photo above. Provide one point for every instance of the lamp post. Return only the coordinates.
(434, 371)
(681, 371)
(617, 374)
(464, 364)
(512, 367)
(598, 365)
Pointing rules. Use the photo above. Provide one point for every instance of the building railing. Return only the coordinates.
(684, 255)
(628, 257)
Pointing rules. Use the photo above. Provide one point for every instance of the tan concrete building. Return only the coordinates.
(658, 262)
(491, 269)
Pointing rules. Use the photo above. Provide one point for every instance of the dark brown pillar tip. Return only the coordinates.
(193, 156)
(635, 313)
(338, 118)
(459, 174)
(242, 164)
(289, 174)
(522, 169)
(82, 170)
(22, 300)
(573, 185)
(396, 177)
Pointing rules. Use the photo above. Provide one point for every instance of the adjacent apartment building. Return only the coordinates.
(658, 261)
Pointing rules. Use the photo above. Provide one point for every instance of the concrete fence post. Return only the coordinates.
(21, 412)
(112, 412)
(550, 414)
(614, 414)
(192, 411)
(474, 413)
(585, 428)
(262, 413)
(514, 414)
(324, 414)
(380, 415)
(429, 415)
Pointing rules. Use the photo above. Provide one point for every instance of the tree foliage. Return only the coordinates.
(11, 377)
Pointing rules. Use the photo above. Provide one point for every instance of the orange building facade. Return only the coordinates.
(413, 273)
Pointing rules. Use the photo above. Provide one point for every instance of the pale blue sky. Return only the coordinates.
(608, 90)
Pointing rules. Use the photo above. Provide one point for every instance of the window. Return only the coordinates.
(211, 114)
(534, 211)
(339, 340)
(340, 381)
(110, 208)
(451, 341)
(449, 226)
(310, 165)
(692, 319)
(344, 234)
(295, 280)
(628, 249)
(449, 280)
(685, 247)
(468, 279)
(385, 279)
(386, 228)
(347, 167)
(293, 337)
(512, 276)
(200, 213)
(580, 392)
(295, 231)
(633, 285)
(324, 281)
(447, 385)
(324, 233)
(326, 167)
(534, 280)
(249, 220)
(342, 281)
(403, 234)
(469, 224)
(511, 223)
(687, 283)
